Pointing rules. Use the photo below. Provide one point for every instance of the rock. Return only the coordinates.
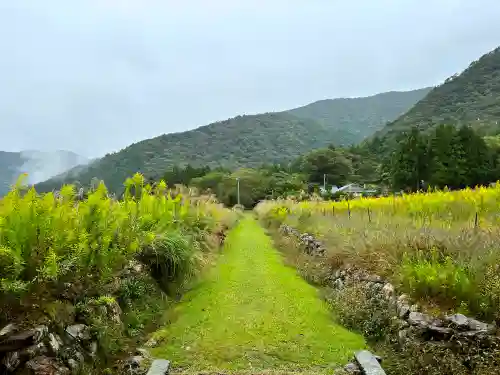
(388, 290)
(337, 274)
(403, 309)
(143, 352)
(46, 366)
(35, 350)
(368, 363)
(136, 266)
(439, 332)
(159, 367)
(352, 368)
(419, 319)
(338, 284)
(460, 321)
(40, 333)
(151, 343)
(11, 361)
(78, 331)
(476, 325)
(54, 343)
(23, 339)
(133, 365)
(374, 278)
(8, 330)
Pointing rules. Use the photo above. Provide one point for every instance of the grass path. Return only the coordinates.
(254, 313)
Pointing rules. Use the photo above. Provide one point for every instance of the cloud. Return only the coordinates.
(93, 76)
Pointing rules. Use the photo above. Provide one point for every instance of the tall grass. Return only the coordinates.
(440, 247)
(52, 242)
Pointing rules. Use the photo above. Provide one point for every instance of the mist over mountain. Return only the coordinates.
(37, 165)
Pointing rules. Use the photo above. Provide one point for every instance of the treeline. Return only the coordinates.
(268, 181)
(444, 157)
(303, 176)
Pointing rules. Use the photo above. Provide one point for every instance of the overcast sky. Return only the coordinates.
(93, 76)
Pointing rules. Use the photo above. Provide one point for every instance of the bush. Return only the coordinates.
(360, 310)
(72, 259)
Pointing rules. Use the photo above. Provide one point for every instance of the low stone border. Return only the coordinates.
(413, 324)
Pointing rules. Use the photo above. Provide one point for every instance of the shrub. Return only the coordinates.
(360, 310)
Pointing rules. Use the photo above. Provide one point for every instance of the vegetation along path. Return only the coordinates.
(253, 313)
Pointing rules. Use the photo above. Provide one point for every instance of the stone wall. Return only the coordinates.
(44, 351)
(464, 335)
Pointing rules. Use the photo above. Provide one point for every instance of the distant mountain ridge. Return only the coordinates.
(250, 140)
(469, 98)
(362, 116)
(39, 165)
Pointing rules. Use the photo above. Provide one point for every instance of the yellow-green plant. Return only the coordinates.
(439, 246)
(50, 239)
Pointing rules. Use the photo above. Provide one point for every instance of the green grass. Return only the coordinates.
(254, 313)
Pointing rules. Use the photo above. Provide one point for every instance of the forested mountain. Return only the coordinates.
(240, 141)
(361, 117)
(37, 164)
(471, 98)
(248, 140)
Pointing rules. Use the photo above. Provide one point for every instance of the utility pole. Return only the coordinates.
(324, 182)
(238, 182)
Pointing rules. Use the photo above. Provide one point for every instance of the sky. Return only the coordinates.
(93, 76)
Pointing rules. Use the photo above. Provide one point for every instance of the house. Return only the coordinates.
(353, 189)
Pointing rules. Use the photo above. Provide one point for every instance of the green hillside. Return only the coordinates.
(247, 141)
(240, 141)
(361, 116)
(470, 98)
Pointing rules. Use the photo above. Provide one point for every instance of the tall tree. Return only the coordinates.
(477, 158)
(408, 166)
(447, 158)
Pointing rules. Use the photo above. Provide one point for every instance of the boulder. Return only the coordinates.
(78, 332)
(419, 319)
(476, 325)
(159, 367)
(133, 365)
(388, 290)
(54, 343)
(11, 361)
(34, 351)
(8, 330)
(338, 284)
(368, 363)
(459, 321)
(23, 339)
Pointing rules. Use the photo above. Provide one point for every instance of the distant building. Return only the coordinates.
(353, 189)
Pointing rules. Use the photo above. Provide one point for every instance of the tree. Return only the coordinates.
(329, 162)
(408, 165)
(447, 158)
(478, 158)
